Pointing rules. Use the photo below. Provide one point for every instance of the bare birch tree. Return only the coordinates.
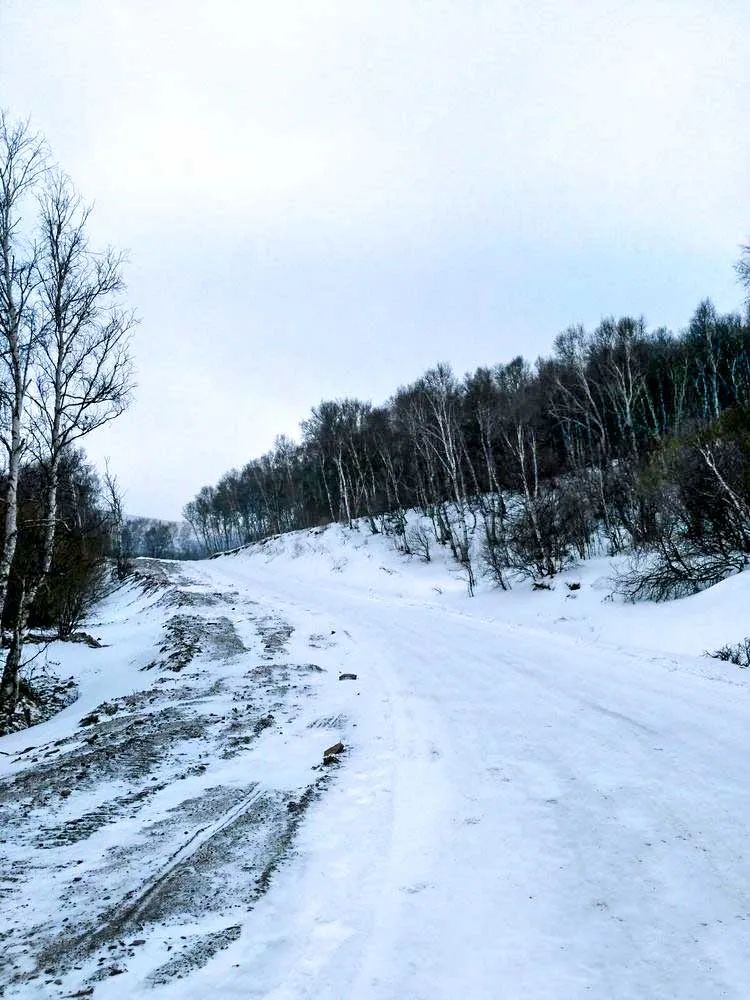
(22, 163)
(83, 376)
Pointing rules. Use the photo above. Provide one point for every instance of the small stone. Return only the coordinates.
(333, 752)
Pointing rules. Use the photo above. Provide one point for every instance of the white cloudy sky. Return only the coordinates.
(323, 198)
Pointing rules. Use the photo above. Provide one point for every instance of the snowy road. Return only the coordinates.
(524, 814)
(543, 796)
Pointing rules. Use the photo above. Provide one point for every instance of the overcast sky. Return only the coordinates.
(322, 199)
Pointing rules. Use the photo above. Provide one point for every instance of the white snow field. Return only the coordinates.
(542, 794)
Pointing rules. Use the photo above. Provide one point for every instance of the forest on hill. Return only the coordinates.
(635, 439)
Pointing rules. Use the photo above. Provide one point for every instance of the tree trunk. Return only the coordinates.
(11, 671)
(10, 679)
(11, 511)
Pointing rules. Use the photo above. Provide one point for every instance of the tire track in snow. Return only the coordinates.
(177, 860)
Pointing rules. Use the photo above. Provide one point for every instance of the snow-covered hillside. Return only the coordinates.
(542, 794)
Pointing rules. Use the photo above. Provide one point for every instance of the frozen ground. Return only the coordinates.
(543, 795)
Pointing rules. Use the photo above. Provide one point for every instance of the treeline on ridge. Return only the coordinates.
(625, 438)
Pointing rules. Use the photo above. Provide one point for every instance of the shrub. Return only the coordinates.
(739, 653)
(677, 566)
(419, 540)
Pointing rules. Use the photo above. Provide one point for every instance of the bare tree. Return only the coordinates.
(83, 375)
(22, 163)
(742, 267)
(113, 497)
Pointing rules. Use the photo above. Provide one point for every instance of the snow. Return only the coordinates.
(544, 794)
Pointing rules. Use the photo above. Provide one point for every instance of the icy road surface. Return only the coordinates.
(532, 804)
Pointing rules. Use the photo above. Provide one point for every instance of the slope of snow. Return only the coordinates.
(359, 560)
(139, 826)
(544, 794)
